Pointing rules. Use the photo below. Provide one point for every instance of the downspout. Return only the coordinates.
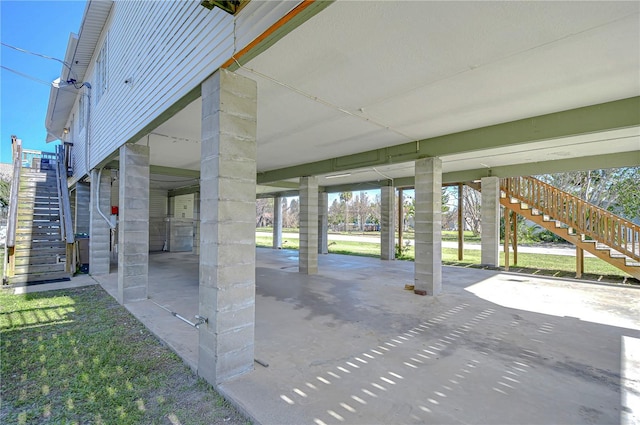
(87, 141)
(111, 225)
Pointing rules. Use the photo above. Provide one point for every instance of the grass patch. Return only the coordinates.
(77, 357)
(543, 264)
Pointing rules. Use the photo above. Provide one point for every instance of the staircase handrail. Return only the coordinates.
(586, 218)
(12, 215)
(65, 205)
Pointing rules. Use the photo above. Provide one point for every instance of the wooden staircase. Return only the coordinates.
(39, 252)
(593, 229)
(38, 249)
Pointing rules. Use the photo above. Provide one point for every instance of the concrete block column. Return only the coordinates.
(323, 223)
(428, 226)
(99, 229)
(387, 223)
(196, 224)
(82, 213)
(490, 221)
(227, 226)
(133, 226)
(277, 222)
(308, 260)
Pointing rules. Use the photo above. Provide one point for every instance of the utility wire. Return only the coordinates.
(39, 55)
(37, 80)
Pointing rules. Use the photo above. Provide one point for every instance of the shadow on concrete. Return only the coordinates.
(350, 345)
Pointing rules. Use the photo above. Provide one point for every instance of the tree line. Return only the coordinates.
(617, 190)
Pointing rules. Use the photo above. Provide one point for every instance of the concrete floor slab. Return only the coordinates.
(350, 345)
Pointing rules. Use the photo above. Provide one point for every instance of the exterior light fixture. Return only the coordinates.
(65, 130)
(337, 176)
(58, 83)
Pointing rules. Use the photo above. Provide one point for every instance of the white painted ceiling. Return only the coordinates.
(364, 75)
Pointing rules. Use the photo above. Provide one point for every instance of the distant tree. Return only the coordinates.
(291, 213)
(614, 189)
(361, 209)
(336, 213)
(471, 209)
(264, 212)
(375, 210)
(5, 190)
(346, 197)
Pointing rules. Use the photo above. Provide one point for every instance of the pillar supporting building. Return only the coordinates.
(490, 221)
(387, 223)
(133, 226)
(428, 226)
(99, 228)
(308, 260)
(277, 222)
(227, 227)
(323, 223)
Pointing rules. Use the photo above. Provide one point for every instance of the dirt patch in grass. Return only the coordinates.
(76, 356)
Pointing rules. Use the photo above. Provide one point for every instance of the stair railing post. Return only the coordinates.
(507, 236)
(579, 262)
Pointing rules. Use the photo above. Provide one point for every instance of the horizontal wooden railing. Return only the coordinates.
(587, 219)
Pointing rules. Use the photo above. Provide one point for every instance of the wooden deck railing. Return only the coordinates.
(66, 224)
(587, 219)
(12, 216)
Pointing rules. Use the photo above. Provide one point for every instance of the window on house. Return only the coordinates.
(101, 73)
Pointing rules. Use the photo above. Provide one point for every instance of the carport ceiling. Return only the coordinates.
(365, 75)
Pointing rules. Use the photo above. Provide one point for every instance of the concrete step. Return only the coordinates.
(39, 277)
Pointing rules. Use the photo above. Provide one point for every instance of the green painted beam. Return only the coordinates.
(286, 193)
(590, 119)
(283, 184)
(174, 172)
(596, 162)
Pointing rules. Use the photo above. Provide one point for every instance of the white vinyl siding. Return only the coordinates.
(167, 48)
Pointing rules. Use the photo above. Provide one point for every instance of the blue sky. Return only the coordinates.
(42, 27)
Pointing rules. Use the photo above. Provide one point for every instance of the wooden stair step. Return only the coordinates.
(35, 253)
(40, 201)
(40, 268)
(50, 236)
(38, 185)
(38, 230)
(39, 244)
(40, 260)
(39, 217)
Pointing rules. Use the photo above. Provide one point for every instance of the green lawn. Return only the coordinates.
(78, 357)
(544, 264)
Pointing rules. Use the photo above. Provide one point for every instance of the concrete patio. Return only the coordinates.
(350, 345)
